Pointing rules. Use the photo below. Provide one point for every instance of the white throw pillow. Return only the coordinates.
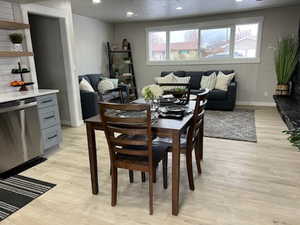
(84, 85)
(169, 79)
(209, 82)
(223, 81)
(181, 80)
(105, 85)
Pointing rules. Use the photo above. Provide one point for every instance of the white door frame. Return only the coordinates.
(66, 28)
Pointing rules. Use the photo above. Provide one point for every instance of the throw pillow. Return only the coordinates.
(209, 82)
(169, 79)
(105, 85)
(223, 81)
(84, 85)
(181, 80)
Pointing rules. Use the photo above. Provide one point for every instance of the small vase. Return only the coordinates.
(17, 48)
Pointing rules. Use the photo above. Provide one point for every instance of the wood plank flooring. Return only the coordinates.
(242, 184)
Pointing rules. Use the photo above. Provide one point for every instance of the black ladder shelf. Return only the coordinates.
(130, 80)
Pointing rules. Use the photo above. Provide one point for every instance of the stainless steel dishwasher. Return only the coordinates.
(20, 134)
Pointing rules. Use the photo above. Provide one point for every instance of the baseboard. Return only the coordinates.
(270, 104)
(66, 123)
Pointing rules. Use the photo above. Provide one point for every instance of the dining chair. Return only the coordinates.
(129, 138)
(193, 140)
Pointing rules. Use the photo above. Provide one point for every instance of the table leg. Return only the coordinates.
(92, 157)
(175, 173)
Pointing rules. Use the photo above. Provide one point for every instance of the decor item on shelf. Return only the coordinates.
(294, 137)
(286, 59)
(16, 39)
(125, 44)
(22, 84)
(126, 60)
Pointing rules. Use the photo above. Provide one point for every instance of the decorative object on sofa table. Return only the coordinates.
(16, 39)
(294, 137)
(22, 84)
(286, 59)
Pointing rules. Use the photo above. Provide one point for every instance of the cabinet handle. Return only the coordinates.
(54, 136)
(49, 117)
(46, 101)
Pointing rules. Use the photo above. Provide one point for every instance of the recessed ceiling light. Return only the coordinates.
(129, 14)
(96, 1)
(179, 8)
(238, 0)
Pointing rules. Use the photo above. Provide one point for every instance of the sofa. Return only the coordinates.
(89, 100)
(217, 99)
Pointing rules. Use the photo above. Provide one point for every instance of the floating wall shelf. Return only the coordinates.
(14, 54)
(7, 25)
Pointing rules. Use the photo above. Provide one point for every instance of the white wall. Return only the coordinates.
(255, 80)
(91, 36)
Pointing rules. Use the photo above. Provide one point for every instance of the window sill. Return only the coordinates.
(205, 62)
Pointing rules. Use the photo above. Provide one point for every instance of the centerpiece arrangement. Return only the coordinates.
(152, 92)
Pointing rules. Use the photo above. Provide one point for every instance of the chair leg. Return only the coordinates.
(165, 171)
(114, 186)
(143, 177)
(200, 140)
(154, 175)
(131, 176)
(198, 160)
(189, 166)
(151, 191)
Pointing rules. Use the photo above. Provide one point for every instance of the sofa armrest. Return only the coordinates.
(232, 91)
(89, 104)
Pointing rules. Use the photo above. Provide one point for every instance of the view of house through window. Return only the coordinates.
(158, 46)
(184, 45)
(245, 40)
(215, 42)
(230, 42)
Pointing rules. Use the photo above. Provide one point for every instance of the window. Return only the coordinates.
(226, 41)
(184, 45)
(215, 43)
(245, 42)
(158, 46)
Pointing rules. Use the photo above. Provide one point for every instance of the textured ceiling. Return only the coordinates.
(115, 10)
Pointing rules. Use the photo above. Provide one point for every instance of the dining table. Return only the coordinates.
(161, 127)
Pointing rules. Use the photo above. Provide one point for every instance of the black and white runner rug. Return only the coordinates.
(17, 191)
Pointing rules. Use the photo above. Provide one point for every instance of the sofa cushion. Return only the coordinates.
(217, 95)
(177, 73)
(195, 78)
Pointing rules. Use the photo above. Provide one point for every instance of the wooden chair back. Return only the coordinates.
(128, 134)
(197, 120)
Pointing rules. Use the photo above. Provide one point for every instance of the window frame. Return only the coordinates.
(231, 23)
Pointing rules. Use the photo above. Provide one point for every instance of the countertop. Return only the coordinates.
(12, 96)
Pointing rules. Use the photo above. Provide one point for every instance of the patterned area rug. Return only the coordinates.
(17, 191)
(234, 125)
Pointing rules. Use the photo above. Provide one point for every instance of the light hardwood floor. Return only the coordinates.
(242, 184)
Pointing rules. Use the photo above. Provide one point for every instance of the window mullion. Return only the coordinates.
(199, 43)
(168, 45)
(232, 41)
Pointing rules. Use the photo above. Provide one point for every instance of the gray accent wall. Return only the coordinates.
(256, 81)
(90, 37)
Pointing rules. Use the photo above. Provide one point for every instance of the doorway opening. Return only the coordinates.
(47, 44)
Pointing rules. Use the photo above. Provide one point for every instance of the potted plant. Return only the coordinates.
(286, 58)
(16, 39)
(294, 137)
(178, 92)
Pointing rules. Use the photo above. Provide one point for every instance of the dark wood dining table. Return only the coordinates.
(172, 128)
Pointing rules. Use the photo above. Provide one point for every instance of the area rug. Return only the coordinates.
(17, 191)
(234, 125)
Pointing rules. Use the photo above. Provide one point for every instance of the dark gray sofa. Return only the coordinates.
(217, 99)
(89, 100)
